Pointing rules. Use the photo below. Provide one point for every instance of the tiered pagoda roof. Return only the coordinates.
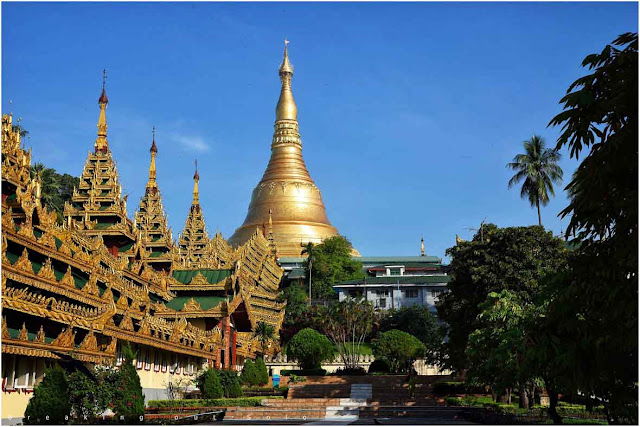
(155, 239)
(97, 206)
(193, 243)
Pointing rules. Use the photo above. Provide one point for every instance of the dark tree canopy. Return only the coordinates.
(310, 348)
(513, 258)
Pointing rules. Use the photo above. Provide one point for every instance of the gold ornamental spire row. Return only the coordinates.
(102, 145)
(286, 108)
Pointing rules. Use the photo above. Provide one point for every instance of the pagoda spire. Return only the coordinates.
(152, 167)
(286, 188)
(196, 192)
(102, 145)
(421, 246)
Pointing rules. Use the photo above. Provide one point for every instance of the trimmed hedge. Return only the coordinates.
(307, 372)
(195, 403)
(455, 387)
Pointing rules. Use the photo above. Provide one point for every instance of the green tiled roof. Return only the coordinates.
(213, 276)
(125, 247)
(206, 302)
(102, 225)
(297, 273)
(397, 259)
(16, 332)
(79, 280)
(403, 280)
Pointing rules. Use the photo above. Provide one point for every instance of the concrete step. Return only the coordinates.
(361, 391)
(278, 414)
(295, 403)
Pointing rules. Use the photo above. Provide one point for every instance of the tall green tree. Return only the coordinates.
(596, 307)
(539, 169)
(512, 258)
(265, 333)
(347, 324)
(128, 400)
(50, 401)
(331, 263)
(399, 349)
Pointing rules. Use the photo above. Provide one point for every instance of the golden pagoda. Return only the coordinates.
(286, 197)
(155, 236)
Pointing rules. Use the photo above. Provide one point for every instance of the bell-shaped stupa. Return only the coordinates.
(286, 189)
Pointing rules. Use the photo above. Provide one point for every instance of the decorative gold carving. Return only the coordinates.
(5, 329)
(67, 279)
(191, 305)
(65, 339)
(126, 323)
(23, 262)
(40, 335)
(122, 303)
(48, 240)
(24, 334)
(111, 348)
(89, 343)
(46, 271)
(91, 287)
(108, 294)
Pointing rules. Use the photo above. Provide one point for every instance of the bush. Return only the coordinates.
(50, 398)
(230, 384)
(397, 348)
(309, 372)
(263, 374)
(209, 384)
(90, 393)
(350, 371)
(250, 375)
(310, 348)
(378, 365)
(199, 403)
(128, 399)
(296, 379)
(455, 387)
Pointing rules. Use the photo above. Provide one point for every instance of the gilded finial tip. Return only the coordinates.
(196, 176)
(103, 97)
(286, 66)
(153, 149)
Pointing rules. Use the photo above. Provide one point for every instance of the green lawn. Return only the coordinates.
(365, 348)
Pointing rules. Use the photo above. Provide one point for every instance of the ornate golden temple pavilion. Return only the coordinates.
(82, 288)
(286, 197)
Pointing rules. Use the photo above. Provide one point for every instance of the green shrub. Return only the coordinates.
(310, 348)
(296, 379)
(398, 349)
(250, 375)
(209, 384)
(197, 403)
(308, 372)
(50, 398)
(90, 395)
(230, 384)
(378, 365)
(128, 399)
(359, 370)
(263, 374)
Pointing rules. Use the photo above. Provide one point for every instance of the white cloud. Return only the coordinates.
(192, 143)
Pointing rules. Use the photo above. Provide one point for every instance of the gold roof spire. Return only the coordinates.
(286, 108)
(196, 192)
(421, 246)
(152, 167)
(102, 145)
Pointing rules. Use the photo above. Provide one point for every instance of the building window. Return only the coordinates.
(382, 303)
(165, 362)
(382, 293)
(140, 360)
(25, 375)
(395, 271)
(435, 293)
(355, 293)
(119, 357)
(411, 293)
(174, 365)
(147, 360)
(156, 361)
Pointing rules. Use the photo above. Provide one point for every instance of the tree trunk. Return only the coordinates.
(553, 403)
(539, 216)
(524, 398)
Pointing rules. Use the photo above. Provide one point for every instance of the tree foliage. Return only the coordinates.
(310, 348)
(263, 373)
(128, 400)
(90, 395)
(249, 375)
(56, 188)
(513, 258)
(421, 323)
(230, 382)
(331, 262)
(265, 333)
(539, 169)
(398, 349)
(347, 324)
(209, 384)
(595, 307)
(50, 401)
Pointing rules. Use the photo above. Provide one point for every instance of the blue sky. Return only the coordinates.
(408, 111)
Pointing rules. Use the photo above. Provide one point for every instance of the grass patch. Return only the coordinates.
(365, 348)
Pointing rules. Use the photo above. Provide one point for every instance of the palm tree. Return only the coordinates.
(309, 250)
(49, 192)
(539, 169)
(265, 333)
